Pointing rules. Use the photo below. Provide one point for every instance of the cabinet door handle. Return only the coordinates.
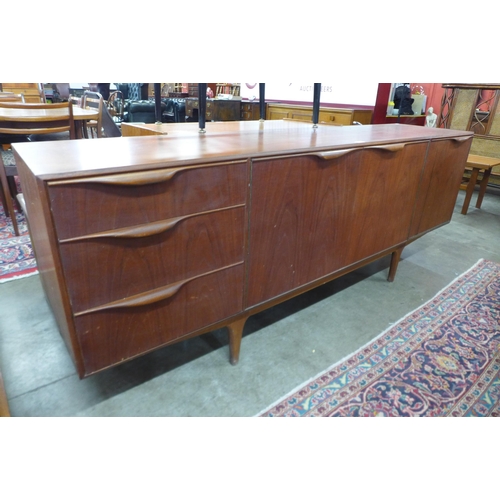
(461, 139)
(330, 155)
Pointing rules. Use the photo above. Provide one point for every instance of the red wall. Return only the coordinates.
(433, 91)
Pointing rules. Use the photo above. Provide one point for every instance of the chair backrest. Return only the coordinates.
(11, 97)
(94, 100)
(116, 105)
(36, 118)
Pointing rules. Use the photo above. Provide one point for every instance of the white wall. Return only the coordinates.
(356, 92)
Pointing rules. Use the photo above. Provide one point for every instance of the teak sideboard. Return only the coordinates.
(145, 241)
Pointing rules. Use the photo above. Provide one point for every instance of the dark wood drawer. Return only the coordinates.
(114, 335)
(108, 266)
(95, 204)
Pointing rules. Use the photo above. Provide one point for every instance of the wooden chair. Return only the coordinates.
(116, 105)
(93, 100)
(26, 126)
(11, 97)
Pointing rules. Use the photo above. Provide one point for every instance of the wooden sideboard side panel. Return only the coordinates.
(45, 248)
(312, 217)
(440, 184)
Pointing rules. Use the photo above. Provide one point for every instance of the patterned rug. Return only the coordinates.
(443, 359)
(16, 253)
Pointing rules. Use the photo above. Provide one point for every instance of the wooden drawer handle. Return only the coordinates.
(144, 230)
(151, 296)
(134, 178)
(461, 139)
(330, 155)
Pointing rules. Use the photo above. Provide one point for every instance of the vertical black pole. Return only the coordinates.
(262, 100)
(317, 92)
(202, 106)
(157, 89)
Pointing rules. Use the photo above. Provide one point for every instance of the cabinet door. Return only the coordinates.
(440, 184)
(314, 215)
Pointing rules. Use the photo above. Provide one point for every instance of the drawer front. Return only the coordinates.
(335, 118)
(115, 335)
(107, 267)
(85, 206)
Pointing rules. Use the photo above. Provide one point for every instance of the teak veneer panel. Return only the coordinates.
(316, 220)
(145, 241)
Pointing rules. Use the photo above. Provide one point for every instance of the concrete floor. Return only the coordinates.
(281, 347)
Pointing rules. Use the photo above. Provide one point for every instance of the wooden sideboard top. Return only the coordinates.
(224, 141)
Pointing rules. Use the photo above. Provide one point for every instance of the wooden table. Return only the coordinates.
(141, 129)
(146, 241)
(478, 164)
(31, 115)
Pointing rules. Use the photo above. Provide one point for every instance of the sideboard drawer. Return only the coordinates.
(110, 336)
(123, 200)
(109, 266)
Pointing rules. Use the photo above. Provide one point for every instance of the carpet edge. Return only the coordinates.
(374, 339)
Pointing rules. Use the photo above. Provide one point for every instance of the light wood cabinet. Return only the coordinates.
(145, 241)
(33, 92)
(331, 116)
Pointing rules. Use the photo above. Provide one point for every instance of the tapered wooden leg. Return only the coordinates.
(483, 186)
(470, 189)
(396, 256)
(235, 332)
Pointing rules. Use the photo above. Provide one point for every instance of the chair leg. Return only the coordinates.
(9, 207)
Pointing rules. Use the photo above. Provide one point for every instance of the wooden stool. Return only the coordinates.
(478, 163)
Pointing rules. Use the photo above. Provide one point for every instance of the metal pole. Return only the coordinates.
(202, 106)
(317, 92)
(262, 100)
(157, 89)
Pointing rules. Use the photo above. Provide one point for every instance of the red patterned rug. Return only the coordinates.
(442, 359)
(16, 253)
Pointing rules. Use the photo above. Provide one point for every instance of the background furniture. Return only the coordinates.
(475, 107)
(478, 164)
(11, 97)
(93, 100)
(336, 116)
(15, 120)
(157, 241)
(249, 110)
(33, 92)
(218, 110)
